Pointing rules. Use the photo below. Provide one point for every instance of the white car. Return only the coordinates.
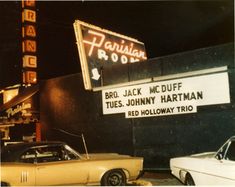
(211, 168)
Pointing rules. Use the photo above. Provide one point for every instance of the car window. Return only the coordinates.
(49, 154)
(231, 152)
(28, 156)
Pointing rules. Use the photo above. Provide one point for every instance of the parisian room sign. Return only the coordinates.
(171, 97)
(100, 48)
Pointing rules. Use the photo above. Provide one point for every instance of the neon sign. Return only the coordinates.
(19, 108)
(29, 43)
(99, 48)
(118, 48)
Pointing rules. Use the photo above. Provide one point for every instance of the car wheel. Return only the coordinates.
(114, 178)
(189, 180)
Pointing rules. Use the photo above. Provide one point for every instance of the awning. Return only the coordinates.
(24, 95)
(23, 108)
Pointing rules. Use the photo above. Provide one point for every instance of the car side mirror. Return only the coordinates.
(219, 156)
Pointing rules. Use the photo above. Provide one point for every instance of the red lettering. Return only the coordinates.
(29, 46)
(30, 30)
(30, 77)
(29, 15)
(28, 3)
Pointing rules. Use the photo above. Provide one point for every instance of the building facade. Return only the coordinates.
(68, 110)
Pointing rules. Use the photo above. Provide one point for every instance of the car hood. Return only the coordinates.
(192, 161)
(100, 156)
(203, 155)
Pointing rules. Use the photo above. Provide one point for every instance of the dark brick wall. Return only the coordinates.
(67, 110)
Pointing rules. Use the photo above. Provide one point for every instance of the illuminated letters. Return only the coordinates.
(93, 43)
(102, 55)
(30, 77)
(29, 46)
(30, 61)
(19, 108)
(120, 48)
(99, 48)
(29, 15)
(124, 59)
(133, 60)
(114, 57)
(29, 3)
(29, 30)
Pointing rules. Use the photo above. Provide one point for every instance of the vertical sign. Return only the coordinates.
(29, 43)
(99, 48)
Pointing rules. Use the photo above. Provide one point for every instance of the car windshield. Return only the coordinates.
(227, 151)
(39, 154)
(220, 154)
(72, 152)
(230, 154)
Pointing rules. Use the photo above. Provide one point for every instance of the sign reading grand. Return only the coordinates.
(178, 96)
(99, 48)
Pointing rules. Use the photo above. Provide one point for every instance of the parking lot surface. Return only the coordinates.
(162, 178)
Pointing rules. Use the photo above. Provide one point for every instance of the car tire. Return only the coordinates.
(114, 178)
(189, 180)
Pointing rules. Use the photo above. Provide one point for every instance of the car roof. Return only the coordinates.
(32, 144)
(11, 152)
(232, 138)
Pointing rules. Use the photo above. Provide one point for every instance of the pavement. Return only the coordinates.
(154, 178)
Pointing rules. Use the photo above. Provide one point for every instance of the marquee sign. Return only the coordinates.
(171, 97)
(22, 108)
(99, 48)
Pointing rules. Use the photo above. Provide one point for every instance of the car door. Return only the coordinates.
(17, 174)
(217, 172)
(54, 169)
(22, 172)
(228, 165)
(221, 171)
(227, 172)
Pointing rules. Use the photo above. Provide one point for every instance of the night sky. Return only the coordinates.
(166, 27)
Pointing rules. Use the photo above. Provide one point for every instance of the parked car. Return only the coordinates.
(55, 163)
(211, 168)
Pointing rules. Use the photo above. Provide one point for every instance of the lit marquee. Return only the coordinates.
(125, 50)
(99, 48)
